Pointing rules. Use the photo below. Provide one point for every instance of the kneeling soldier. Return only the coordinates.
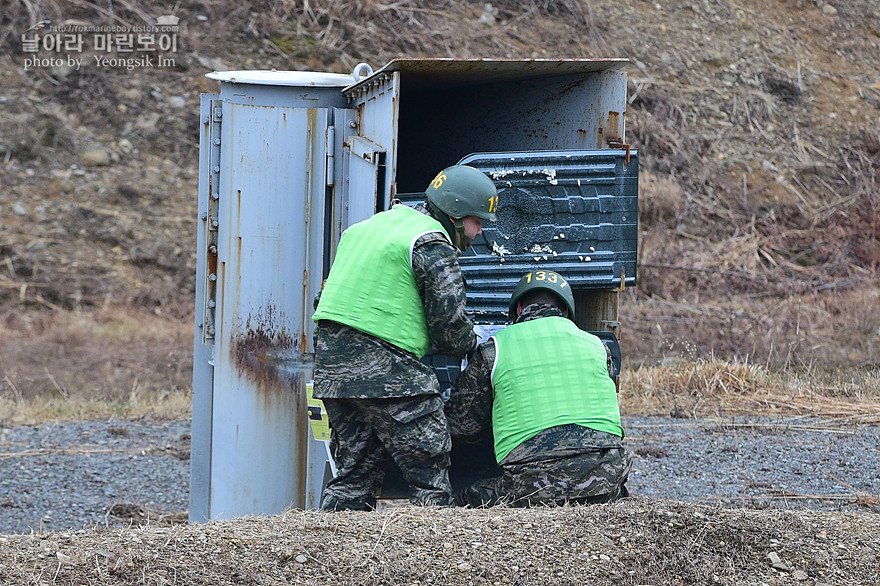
(545, 388)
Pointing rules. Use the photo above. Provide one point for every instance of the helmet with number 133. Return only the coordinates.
(546, 281)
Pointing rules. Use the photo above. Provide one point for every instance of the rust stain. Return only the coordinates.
(306, 311)
(211, 186)
(238, 204)
(212, 259)
(267, 355)
(302, 463)
(221, 280)
(616, 144)
(311, 156)
(611, 133)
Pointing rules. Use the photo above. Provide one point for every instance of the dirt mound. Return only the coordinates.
(637, 541)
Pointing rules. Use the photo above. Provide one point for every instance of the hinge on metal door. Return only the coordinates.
(329, 144)
(212, 224)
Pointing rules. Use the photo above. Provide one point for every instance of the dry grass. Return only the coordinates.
(117, 361)
(121, 362)
(636, 541)
(689, 316)
(152, 405)
(703, 388)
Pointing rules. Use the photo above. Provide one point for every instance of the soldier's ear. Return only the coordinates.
(519, 308)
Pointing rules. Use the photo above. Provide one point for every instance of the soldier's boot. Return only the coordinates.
(429, 483)
(430, 498)
(332, 503)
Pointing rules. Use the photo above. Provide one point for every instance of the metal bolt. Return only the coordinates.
(352, 124)
(215, 195)
(212, 304)
(212, 249)
(216, 168)
(216, 142)
(215, 222)
(212, 277)
(204, 215)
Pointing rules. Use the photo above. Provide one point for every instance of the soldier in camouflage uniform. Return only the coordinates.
(545, 388)
(395, 290)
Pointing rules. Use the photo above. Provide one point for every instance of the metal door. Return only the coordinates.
(264, 186)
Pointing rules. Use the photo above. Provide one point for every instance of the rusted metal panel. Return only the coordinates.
(270, 221)
(262, 363)
(376, 104)
(573, 212)
(203, 370)
(431, 113)
(597, 311)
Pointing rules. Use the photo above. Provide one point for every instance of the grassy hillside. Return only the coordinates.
(758, 125)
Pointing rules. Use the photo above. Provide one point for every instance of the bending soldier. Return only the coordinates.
(545, 388)
(395, 290)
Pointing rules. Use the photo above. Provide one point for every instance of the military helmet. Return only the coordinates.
(546, 280)
(461, 191)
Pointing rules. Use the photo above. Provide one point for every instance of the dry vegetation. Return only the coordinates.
(625, 544)
(711, 387)
(758, 125)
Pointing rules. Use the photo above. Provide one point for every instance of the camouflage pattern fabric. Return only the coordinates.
(567, 463)
(383, 401)
(563, 464)
(365, 432)
(350, 364)
(469, 407)
(442, 288)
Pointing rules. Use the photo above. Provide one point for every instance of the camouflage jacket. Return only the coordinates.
(351, 364)
(469, 409)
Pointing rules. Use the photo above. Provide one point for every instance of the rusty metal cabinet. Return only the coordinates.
(288, 160)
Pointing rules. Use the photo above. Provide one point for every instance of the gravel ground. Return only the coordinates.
(757, 462)
(67, 475)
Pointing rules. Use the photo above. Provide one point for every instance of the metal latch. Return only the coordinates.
(617, 144)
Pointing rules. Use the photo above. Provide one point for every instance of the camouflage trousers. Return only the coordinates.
(365, 432)
(552, 468)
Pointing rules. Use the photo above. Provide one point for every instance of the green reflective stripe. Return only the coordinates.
(371, 285)
(547, 372)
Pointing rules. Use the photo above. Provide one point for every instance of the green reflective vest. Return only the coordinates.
(547, 372)
(371, 286)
